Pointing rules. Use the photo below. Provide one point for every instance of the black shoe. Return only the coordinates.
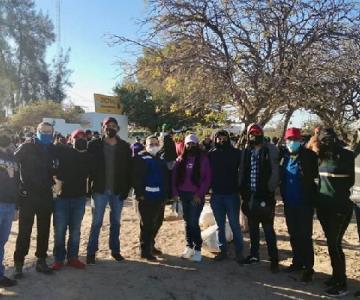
(149, 257)
(292, 268)
(357, 294)
(156, 251)
(330, 282)
(337, 291)
(307, 276)
(90, 259)
(7, 282)
(42, 267)
(117, 256)
(18, 271)
(240, 258)
(220, 256)
(274, 267)
(250, 260)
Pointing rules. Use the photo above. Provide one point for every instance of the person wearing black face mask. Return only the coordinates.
(70, 190)
(334, 207)
(225, 165)
(110, 183)
(259, 179)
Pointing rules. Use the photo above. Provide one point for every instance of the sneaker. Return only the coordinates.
(188, 253)
(274, 267)
(156, 251)
(42, 267)
(57, 265)
(117, 256)
(149, 257)
(292, 268)
(307, 276)
(357, 294)
(337, 291)
(220, 256)
(18, 271)
(76, 263)
(90, 259)
(7, 282)
(251, 260)
(197, 256)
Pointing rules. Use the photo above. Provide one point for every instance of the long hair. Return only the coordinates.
(181, 170)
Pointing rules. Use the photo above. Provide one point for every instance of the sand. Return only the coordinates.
(172, 277)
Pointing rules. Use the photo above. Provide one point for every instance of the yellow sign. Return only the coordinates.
(107, 104)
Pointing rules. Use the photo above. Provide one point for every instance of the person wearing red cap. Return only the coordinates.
(259, 179)
(110, 184)
(299, 169)
(74, 166)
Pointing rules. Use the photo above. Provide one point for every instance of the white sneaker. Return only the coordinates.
(197, 256)
(188, 253)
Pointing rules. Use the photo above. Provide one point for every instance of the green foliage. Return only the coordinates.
(32, 114)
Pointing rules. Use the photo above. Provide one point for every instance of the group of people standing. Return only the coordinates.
(58, 179)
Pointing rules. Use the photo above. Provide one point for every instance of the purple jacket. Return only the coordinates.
(187, 185)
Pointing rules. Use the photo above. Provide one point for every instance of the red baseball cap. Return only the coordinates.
(110, 120)
(77, 132)
(293, 133)
(255, 129)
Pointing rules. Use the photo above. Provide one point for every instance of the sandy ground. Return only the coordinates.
(173, 278)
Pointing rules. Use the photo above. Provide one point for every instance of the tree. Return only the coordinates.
(249, 51)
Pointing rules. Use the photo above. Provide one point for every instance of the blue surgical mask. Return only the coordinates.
(45, 138)
(293, 146)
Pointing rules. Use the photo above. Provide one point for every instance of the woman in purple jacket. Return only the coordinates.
(190, 182)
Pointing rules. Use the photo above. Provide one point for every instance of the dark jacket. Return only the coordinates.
(268, 178)
(225, 167)
(37, 166)
(73, 170)
(8, 186)
(123, 167)
(152, 172)
(309, 172)
(168, 150)
(337, 176)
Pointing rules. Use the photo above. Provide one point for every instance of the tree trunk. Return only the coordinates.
(288, 116)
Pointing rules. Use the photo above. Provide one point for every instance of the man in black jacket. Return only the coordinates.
(9, 180)
(37, 161)
(299, 169)
(225, 166)
(110, 184)
(70, 191)
(151, 184)
(259, 180)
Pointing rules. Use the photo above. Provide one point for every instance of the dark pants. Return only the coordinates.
(357, 214)
(270, 235)
(40, 205)
(151, 217)
(68, 213)
(191, 215)
(228, 205)
(334, 225)
(299, 221)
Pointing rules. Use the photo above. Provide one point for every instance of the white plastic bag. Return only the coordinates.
(207, 218)
(210, 237)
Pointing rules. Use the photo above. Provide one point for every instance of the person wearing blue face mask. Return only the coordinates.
(36, 160)
(299, 168)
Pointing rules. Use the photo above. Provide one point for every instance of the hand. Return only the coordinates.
(176, 198)
(16, 216)
(197, 199)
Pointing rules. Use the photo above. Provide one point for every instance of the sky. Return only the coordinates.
(84, 24)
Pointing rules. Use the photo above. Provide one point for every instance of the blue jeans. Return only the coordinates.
(99, 203)
(191, 214)
(228, 205)
(7, 211)
(357, 214)
(68, 213)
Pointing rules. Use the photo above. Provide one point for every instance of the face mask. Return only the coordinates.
(80, 144)
(293, 146)
(192, 150)
(4, 141)
(110, 132)
(45, 138)
(153, 150)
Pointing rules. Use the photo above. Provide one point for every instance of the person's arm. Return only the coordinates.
(205, 177)
(175, 192)
(274, 161)
(137, 178)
